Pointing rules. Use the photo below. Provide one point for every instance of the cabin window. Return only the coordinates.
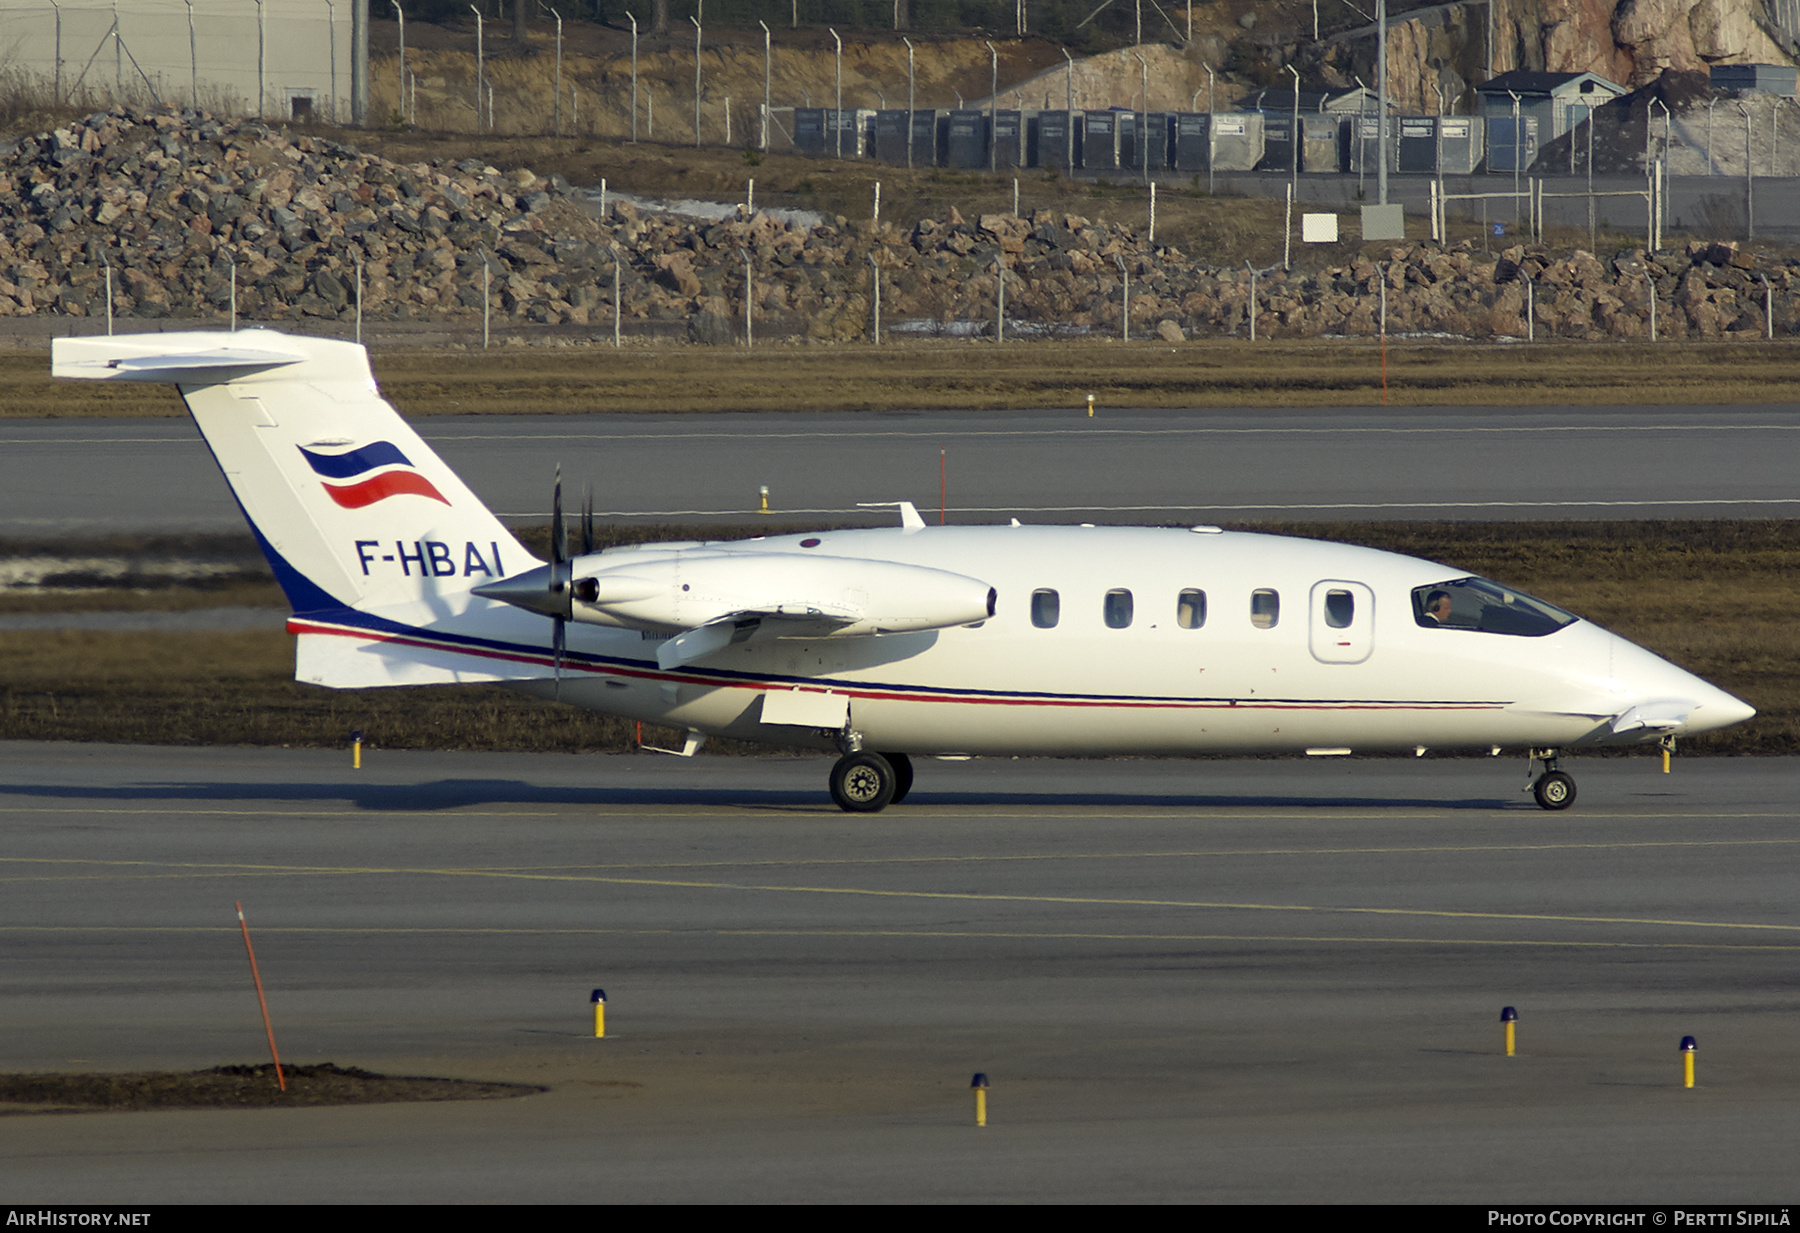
(1046, 608)
(1340, 609)
(1190, 609)
(1486, 607)
(1118, 608)
(1265, 608)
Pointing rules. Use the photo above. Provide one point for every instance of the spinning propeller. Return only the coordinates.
(559, 580)
(559, 577)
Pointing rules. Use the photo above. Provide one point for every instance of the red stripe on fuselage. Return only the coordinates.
(298, 626)
(388, 484)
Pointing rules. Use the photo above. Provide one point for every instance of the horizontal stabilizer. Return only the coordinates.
(219, 357)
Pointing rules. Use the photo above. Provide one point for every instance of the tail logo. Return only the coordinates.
(377, 471)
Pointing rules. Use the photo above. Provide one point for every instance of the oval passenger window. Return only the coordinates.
(1190, 609)
(1265, 608)
(1118, 608)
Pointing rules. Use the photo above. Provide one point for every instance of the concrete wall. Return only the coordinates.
(305, 53)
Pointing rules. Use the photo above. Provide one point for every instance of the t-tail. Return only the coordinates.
(350, 505)
(377, 544)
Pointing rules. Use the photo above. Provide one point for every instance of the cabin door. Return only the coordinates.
(1342, 622)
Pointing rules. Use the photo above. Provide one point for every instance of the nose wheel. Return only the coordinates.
(1554, 789)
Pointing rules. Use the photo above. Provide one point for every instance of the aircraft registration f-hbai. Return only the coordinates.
(890, 643)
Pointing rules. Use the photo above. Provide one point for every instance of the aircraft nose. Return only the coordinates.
(1668, 698)
(1718, 710)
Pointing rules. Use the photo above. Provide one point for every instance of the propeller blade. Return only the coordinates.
(557, 643)
(559, 534)
(587, 522)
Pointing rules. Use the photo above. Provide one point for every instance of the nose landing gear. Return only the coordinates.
(1553, 789)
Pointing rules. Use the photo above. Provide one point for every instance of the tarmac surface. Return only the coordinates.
(1123, 466)
(1255, 980)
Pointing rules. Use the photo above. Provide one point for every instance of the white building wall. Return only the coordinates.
(279, 51)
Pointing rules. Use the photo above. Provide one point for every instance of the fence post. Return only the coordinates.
(1000, 303)
(749, 299)
(875, 323)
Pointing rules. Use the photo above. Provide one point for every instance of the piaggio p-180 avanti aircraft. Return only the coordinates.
(886, 644)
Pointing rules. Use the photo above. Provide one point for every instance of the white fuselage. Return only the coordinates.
(909, 640)
(1232, 683)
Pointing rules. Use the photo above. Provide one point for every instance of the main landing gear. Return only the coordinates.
(863, 781)
(1553, 789)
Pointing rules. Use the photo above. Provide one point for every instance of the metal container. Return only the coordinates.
(928, 137)
(1239, 140)
(1158, 149)
(1193, 141)
(1510, 149)
(1771, 78)
(1099, 140)
(1459, 146)
(809, 130)
(1363, 135)
(1278, 142)
(1320, 139)
(890, 136)
(966, 139)
(1416, 151)
(856, 125)
(1059, 139)
(1008, 131)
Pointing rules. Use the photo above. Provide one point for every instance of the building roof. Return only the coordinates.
(1530, 82)
(1281, 99)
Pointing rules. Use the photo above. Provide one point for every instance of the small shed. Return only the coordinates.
(1558, 102)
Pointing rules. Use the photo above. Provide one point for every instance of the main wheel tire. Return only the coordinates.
(863, 782)
(1554, 790)
(903, 775)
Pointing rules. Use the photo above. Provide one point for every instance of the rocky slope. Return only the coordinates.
(171, 203)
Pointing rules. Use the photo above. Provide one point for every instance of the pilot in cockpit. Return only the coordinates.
(1437, 609)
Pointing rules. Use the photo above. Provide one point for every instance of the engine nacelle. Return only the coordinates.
(685, 590)
(815, 596)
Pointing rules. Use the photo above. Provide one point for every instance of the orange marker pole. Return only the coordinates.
(260, 999)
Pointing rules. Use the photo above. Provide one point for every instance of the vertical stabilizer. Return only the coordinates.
(351, 506)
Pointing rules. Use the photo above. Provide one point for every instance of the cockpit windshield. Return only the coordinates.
(1486, 607)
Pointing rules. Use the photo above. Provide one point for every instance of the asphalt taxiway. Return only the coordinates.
(1186, 980)
(1123, 466)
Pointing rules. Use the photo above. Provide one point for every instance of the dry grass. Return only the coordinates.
(981, 376)
(1716, 597)
(967, 375)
